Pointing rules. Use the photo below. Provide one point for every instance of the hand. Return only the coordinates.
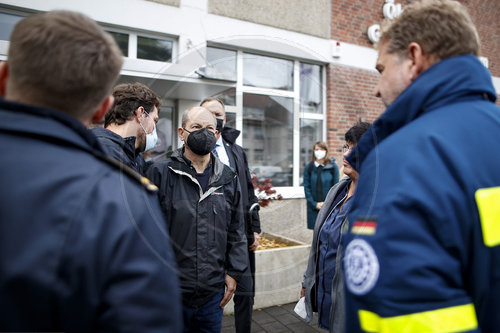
(230, 289)
(255, 245)
(302, 292)
(319, 205)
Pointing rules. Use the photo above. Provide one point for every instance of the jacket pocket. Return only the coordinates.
(218, 225)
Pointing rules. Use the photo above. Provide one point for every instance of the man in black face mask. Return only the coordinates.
(200, 199)
(234, 156)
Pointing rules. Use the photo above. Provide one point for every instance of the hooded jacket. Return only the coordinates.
(121, 149)
(206, 228)
(422, 251)
(83, 246)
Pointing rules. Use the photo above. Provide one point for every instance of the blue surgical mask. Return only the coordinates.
(152, 137)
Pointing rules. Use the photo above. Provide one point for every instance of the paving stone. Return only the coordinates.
(288, 318)
(301, 328)
(262, 317)
(228, 321)
(227, 330)
(275, 310)
(256, 327)
(275, 327)
(289, 307)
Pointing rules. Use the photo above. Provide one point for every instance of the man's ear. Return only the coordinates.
(103, 108)
(420, 61)
(138, 112)
(4, 74)
(180, 132)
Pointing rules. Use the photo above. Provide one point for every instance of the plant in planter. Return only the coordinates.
(265, 191)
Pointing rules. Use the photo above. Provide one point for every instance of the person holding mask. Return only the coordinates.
(323, 286)
(201, 201)
(319, 176)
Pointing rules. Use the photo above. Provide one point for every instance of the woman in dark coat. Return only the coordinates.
(319, 176)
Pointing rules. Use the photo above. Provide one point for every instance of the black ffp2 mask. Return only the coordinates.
(220, 123)
(201, 142)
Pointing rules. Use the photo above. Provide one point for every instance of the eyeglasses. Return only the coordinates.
(346, 148)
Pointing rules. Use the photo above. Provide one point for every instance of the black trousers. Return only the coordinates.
(243, 298)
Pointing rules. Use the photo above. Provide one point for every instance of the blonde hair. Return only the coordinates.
(443, 29)
(63, 60)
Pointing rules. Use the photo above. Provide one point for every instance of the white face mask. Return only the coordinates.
(152, 137)
(151, 140)
(320, 154)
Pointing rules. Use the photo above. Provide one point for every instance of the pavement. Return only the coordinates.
(275, 319)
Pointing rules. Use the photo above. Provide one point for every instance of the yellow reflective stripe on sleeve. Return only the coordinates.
(453, 319)
(488, 204)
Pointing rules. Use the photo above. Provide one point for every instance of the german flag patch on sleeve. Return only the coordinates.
(364, 226)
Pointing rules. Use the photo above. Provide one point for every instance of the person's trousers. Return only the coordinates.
(204, 319)
(243, 298)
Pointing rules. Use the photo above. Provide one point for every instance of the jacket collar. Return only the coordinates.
(47, 123)
(450, 80)
(221, 174)
(128, 144)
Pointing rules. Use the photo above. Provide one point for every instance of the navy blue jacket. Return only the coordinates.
(83, 247)
(121, 149)
(418, 253)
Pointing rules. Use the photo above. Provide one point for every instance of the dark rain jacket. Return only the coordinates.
(206, 228)
(83, 247)
(238, 159)
(423, 249)
(121, 149)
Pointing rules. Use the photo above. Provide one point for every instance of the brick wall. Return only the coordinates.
(351, 19)
(350, 93)
(350, 98)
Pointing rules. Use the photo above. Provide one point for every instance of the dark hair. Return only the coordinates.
(356, 132)
(128, 97)
(63, 60)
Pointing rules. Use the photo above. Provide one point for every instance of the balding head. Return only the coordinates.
(197, 113)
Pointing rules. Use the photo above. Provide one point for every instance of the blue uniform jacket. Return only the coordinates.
(422, 251)
(83, 247)
(121, 149)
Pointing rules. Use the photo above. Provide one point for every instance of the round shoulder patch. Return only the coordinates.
(361, 266)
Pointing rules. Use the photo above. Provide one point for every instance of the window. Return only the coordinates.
(164, 129)
(310, 88)
(221, 64)
(136, 46)
(154, 49)
(311, 131)
(7, 23)
(228, 97)
(267, 72)
(279, 107)
(269, 123)
(122, 41)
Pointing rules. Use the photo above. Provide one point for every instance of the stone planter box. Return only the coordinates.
(278, 273)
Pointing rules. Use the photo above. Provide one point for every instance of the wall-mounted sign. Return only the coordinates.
(390, 10)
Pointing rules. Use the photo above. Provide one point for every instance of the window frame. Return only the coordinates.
(296, 190)
(132, 42)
